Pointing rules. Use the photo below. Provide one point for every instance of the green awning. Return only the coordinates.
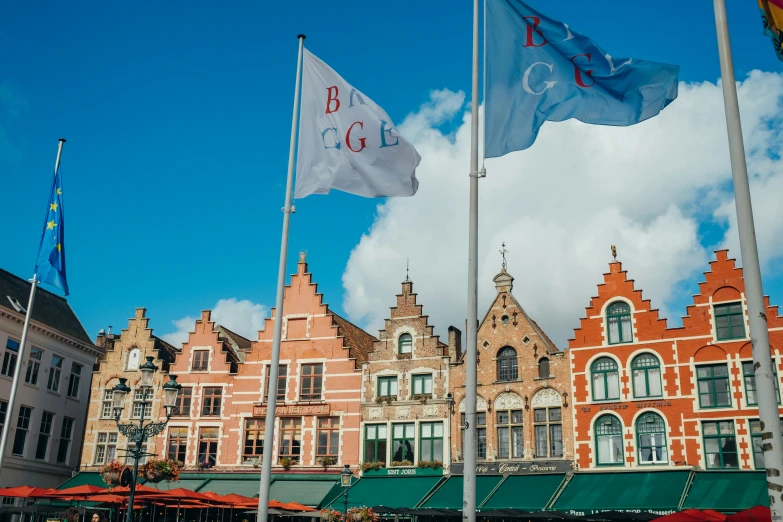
(525, 492)
(307, 492)
(653, 491)
(449, 494)
(224, 486)
(193, 484)
(393, 492)
(727, 490)
(89, 478)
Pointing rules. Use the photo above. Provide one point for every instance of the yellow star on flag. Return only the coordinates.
(53, 206)
(59, 247)
(59, 191)
(50, 225)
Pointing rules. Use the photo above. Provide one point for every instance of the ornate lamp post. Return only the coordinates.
(345, 482)
(140, 432)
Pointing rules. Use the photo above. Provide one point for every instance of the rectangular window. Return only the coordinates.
(403, 436)
(105, 447)
(182, 406)
(47, 419)
(33, 366)
(431, 441)
(750, 382)
(720, 445)
(290, 437)
(208, 445)
(481, 435)
(422, 384)
(3, 412)
(548, 432)
(200, 361)
(210, 402)
(312, 382)
(282, 374)
(178, 443)
(126, 453)
(106, 405)
(755, 437)
(328, 436)
(510, 441)
(729, 321)
(713, 383)
(22, 427)
(74, 380)
(54, 374)
(140, 405)
(387, 386)
(9, 358)
(375, 441)
(254, 438)
(66, 434)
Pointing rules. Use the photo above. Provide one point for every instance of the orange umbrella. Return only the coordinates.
(25, 492)
(107, 498)
(184, 494)
(74, 493)
(296, 506)
(140, 490)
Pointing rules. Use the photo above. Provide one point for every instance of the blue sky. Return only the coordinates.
(177, 116)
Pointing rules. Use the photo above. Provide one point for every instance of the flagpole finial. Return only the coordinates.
(301, 36)
(503, 253)
(614, 252)
(62, 140)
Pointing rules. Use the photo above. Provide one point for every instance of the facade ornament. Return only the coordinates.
(403, 412)
(481, 404)
(376, 413)
(546, 398)
(508, 401)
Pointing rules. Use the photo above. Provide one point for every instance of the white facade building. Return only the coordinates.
(47, 424)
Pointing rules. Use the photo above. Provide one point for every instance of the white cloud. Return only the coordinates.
(243, 317)
(560, 204)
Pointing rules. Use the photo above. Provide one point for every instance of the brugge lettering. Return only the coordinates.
(515, 468)
(282, 411)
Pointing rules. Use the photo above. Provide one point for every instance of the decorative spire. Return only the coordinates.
(407, 269)
(614, 252)
(503, 253)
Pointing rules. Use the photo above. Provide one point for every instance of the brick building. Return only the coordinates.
(123, 355)
(649, 396)
(524, 418)
(405, 391)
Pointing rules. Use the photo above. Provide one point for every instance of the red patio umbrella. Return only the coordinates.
(714, 515)
(184, 494)
(76, 492)
(107, 498)
(25, 492)
(296, 506)
(125, 491)
(682, 516)
(754, 514)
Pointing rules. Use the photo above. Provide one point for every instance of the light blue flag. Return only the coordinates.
(50, 266)
(539, 69)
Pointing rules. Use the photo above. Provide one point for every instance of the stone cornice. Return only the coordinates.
(55, 334)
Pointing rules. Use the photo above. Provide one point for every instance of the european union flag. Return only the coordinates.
(50, 267)
(539, 69)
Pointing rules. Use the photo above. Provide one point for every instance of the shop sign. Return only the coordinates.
(287, 411)
(403, 472)
(515, 468)
(587, 512)
(615, 406)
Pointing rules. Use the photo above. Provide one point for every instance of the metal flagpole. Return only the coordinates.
(23, 344)
(772, 444)
(469, 450)
(271, 386)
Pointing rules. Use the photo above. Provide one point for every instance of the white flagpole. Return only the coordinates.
(23, 344)
(469, 450)
(772, 444)
(271, 403)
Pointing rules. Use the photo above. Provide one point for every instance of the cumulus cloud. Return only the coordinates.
(560, 204)
(241, 316)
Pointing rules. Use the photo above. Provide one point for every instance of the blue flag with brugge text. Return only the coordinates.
(539, 69)
(50, 266)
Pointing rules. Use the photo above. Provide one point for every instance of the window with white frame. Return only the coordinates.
(139, 404)
(9, 358)
(106, 404)
(66, 434)
(54, 374)
(422, 384)
(22, 427)
(33, 366)
(405, 344)
(651, 439)
(105, 447)
(74, 380)
(44, 434)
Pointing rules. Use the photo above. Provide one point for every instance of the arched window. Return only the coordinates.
(646, 376)
(606, 380)
(507, 364)
(405, 343)
(651, 439)
(134, 358)
(618, 320)
(543, 368)
(609, 441)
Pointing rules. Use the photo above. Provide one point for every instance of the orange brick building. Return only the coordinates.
(224, 379)
(524, 382)
(646, 395)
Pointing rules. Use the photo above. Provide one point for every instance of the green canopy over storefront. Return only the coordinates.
(449, 494)
(84, 478)
(525, 492)
(393, 492)
(727, 490)
(655, 492)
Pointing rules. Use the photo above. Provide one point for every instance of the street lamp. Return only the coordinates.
(345, 482)
(140, 433)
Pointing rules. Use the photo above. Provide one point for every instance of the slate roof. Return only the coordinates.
(235, 343)
(50, 309)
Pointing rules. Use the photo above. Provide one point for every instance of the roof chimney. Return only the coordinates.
(455, 343)
(303, 256)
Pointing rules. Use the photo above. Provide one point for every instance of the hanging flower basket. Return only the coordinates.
(362, 514)
(330, 515)
(112, 472)
(155, 470)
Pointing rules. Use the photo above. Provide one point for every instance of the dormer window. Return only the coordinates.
(405, 344)
(618, 320)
